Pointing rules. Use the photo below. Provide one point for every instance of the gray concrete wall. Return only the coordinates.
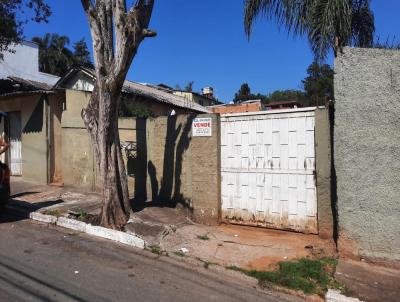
(367, 152)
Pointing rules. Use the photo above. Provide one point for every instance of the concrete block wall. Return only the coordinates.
(183, 170)
(367, 153)
(167, 165)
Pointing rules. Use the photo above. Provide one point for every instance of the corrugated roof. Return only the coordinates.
(26, 93)
(162, 96)
(156, 93)
(32, 84)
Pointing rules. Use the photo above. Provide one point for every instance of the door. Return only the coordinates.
(267, 169)
(15, 131)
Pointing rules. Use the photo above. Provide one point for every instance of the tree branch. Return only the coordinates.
(133, 31)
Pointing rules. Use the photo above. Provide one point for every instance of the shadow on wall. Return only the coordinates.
(166, 192)
(333, 175)
(138, 166)
(35, 121)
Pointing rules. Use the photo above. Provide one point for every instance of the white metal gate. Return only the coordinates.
(15, 143)
(268, 169)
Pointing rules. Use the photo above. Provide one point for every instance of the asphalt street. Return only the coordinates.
(45, 263)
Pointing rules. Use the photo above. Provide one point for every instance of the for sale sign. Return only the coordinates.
(202, 126)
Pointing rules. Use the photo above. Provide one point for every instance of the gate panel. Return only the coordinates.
(268, 168)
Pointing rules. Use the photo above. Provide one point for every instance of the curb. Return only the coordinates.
(98, 231)
(335, 296)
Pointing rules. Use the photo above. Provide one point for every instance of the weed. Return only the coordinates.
(82, 215)
(155, 249)
(203, 237)
(206, 264)
(310, 276)
(179, 253)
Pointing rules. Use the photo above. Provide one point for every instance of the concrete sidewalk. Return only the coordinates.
(369, 282)
(170, 230)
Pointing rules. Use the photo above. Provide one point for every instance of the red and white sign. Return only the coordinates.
(202, 126)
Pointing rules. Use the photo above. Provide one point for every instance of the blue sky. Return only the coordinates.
(204, 41)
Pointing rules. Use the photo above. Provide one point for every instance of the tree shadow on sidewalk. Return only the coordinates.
(17, 210)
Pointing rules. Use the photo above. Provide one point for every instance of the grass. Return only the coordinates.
(206, 264)
(307, 275)
(82, 215)
(179, 253)
(203, 237)
(155, 249)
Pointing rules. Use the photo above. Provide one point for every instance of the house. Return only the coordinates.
(282, 105)
(44, 124)
(206, 98)
(159, 101)
(246, 106)
(33, 111)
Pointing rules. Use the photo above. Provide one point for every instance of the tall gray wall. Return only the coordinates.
(367, 152)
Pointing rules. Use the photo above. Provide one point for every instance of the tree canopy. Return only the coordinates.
(244, 94)
(56, 58)
(14, 14)
(318, 86)
(327, 23)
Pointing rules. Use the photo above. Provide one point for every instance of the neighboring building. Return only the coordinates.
(158, 100)
(34, 114)
(23, 63)
(282, 105)
(206, 98)
(247, 106)
(197, 98)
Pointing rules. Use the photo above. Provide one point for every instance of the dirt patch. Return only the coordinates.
(266, 263)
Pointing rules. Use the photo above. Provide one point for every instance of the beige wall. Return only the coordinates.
(78, 162)
(77, 154)
(181, 169)
(33, 110)
(166, 166)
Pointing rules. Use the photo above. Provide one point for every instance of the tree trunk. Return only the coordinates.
(109, 19)
(102, 125)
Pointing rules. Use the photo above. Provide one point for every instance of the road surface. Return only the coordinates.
(46, 263)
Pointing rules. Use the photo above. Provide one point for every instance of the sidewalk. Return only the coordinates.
(369, 282)
(170, 230)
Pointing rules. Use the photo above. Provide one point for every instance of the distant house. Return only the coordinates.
(282, 105)
(206, 98)
(247, 106)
